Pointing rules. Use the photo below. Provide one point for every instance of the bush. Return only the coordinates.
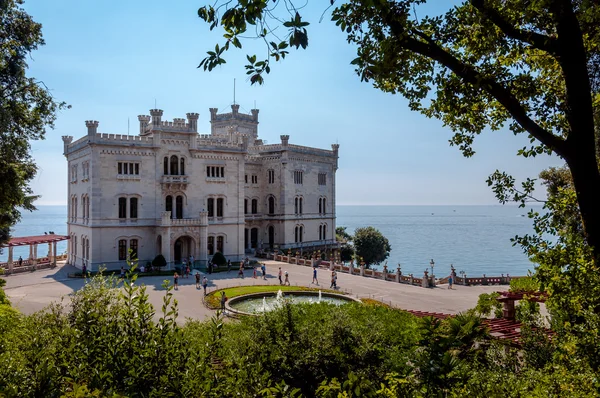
(159, 261)
(219, 259)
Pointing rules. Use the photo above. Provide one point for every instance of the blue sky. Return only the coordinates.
(112, 60)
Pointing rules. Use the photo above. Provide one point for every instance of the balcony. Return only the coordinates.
(175, 182)
(254, 216)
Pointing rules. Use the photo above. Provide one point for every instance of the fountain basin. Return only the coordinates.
(258, 303)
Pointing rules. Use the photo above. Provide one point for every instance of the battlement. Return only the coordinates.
(118, 138)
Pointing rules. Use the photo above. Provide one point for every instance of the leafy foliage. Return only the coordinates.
(342, 236)
(26, 110)
(219, 259)
(371, 245)
(526, 284)
(159, 261)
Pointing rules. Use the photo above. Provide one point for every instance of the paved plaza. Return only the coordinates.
(33, 291)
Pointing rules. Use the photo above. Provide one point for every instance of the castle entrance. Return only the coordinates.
(183, 249)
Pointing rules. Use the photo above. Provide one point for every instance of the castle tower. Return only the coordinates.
(192, 121)
(144, 122)
(246, 124)
(92, 126)
(156, 117)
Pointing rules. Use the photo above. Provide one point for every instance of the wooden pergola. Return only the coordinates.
(33, 242)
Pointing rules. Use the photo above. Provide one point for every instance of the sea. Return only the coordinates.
(474, 239)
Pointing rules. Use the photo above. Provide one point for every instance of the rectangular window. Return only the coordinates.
(122, 207)
(211, 207)
(75, 245)
(220, 241)
(215, 171)
(210, 247)
(271, 176)
(246, 178)
(122, 249)
(254, 179)
(220, 202)
(87, 248)
(254, 206)
(208, 171)
(120, 168)
(133, 247)
(222, 172)
(137, 168)
(133, 207)
(322, 179)
(245, 206)
(298, 177)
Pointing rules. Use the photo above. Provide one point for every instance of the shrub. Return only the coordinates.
(219, 259)
(159, 261)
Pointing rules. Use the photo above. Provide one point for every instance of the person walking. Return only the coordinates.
(450, 282)
(20, 261)
(176, 280)
(210, 267)
(84, 270)
(315, 280)
(263, 268)
(223, 300)
(280, 281)
(191, 262)
(122, 273)
(335, 286)
(228, 266)
(198, 280)
(254, 272)
(187, 271)
(204, 284)
(287, 279)
(241, 271)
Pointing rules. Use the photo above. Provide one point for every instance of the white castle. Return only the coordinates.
(172, 191)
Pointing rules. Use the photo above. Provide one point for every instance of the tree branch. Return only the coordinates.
(536, 40)
(430, 49)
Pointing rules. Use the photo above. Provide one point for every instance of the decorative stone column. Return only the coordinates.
(425, 280)
(465, 279)
(411, 278)
(398, 274)
(362, 269)
(54, 244)
(34, 255)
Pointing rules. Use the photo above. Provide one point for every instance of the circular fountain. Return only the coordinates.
(258, 303)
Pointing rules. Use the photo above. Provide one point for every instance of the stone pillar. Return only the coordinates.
(10, 259)
(30, 253)
(54, 244)
(166, 246)
(203, 249)
(362, 270)
(398, 275)
(411, 279)
(34, 255)
(425, 280)
(50, 251)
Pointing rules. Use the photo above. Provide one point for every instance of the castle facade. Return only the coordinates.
(169, 190)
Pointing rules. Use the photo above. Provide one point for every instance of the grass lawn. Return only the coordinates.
(212, 299)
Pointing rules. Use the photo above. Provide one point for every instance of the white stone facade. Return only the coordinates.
(172, 191)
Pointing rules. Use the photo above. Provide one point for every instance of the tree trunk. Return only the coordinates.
(586, 179)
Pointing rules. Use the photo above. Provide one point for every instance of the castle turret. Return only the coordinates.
(213, 113)
(254, 114)
(284, 140)
(92, 126)
(67, 139)
(235, 109)
(156, 116)
(144, 122)
(192, 121)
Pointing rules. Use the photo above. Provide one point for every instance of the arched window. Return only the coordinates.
(133, 247)
(320, 229)
(324, 207)
(296, 234)
(179, 207)
(320, 206)
(220, 241)
(300, 207)
(87, 248)
(211, 245)
(324, 231)
(123, 207)
(182, 166)
(210, 207)
(166, 166)
(133, 207)
(174, 162)
(169, 204)
(296, 206)
(122, 249)
(220, 206)
(301, 231)
(254, 206)
(245, 206)
(271, 205)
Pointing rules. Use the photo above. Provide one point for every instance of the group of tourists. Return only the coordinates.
(287, 278)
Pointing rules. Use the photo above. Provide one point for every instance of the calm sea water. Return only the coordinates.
(476, 239)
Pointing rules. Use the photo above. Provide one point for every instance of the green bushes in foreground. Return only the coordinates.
(107, 343)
